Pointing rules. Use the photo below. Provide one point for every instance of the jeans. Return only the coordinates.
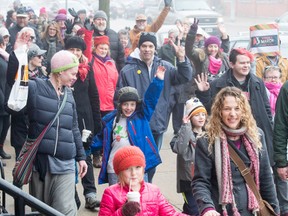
(282, 192)
(158, 140)
(190, 205)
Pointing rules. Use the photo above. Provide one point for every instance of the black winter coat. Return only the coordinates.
(205, 185)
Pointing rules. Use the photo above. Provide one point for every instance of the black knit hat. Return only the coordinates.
(148, 36)
(75, 42)
(128, 94)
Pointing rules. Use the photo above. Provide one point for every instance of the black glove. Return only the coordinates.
(73, 12)
(69, 26)
(167, 3)
(88, 25)
(88, 142)
(194, 27)
(131, 208)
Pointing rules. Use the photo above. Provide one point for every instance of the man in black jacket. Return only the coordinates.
(239, 75)
(116, 48)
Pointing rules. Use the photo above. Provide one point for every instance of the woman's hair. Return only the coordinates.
(45, 33)
(213, 126)
(271, 68)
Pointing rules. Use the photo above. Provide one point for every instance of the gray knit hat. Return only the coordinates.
(128, 94)
(100, 14)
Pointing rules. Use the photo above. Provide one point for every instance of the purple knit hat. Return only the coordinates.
(212, 40)
(60, 17)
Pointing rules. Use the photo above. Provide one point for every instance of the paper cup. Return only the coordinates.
(133, 196)
(85, 135)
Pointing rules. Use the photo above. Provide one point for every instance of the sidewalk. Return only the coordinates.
(165, 177)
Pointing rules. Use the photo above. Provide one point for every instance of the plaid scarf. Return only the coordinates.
(227, 183)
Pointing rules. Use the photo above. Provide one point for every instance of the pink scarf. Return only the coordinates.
(274, 89)
(214, 65)
(227, 183)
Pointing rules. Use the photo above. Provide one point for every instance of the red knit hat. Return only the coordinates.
(128, 156)
(101, 40)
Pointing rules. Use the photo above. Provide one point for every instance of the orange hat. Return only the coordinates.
(101, 40)
(128, 156)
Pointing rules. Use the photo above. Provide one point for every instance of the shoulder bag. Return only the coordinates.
(265, 209)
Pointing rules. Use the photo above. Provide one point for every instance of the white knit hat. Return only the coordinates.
(194, 106)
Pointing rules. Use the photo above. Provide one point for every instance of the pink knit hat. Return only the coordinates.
(212, 40)
(62, 61)
(42, 10)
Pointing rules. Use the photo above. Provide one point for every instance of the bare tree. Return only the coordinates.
(105, 6)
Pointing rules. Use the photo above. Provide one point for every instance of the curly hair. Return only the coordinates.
(213, 126)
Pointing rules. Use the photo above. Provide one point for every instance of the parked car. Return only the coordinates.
(189, 9)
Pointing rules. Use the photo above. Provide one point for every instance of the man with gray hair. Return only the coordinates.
(100, 29)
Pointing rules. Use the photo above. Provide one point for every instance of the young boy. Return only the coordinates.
(184, 146)
(129, 125)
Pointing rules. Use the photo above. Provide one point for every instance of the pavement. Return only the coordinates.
(165, 178)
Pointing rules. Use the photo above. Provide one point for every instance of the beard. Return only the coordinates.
(101, 28)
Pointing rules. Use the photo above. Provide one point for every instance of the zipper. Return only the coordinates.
(132, 126)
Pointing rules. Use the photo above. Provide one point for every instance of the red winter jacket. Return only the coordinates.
(152, 202)
(106, 77)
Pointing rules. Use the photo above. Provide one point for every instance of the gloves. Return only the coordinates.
(131, 208)
(88, 142)
(69, 26)
(194, 27)
(89, 26)
(73, 12)
(167, 3)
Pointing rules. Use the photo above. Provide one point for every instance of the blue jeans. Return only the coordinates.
(190, 205)
(282, 193)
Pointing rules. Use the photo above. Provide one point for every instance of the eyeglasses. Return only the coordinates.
(272, 78)
(32, 39)
(52, 29)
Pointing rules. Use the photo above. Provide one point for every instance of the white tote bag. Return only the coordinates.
(19, 92)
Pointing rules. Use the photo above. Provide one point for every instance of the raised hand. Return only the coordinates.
(69, 26)
(180, 51)
(160, 73)
(194, 27)
(73, 12)
(88, 25)
(202, 82)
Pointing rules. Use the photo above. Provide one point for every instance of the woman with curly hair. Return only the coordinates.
(52, 42)
(218, 185)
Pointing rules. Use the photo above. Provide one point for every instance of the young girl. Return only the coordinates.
(184, 145)
(129, 125)
(129, 165)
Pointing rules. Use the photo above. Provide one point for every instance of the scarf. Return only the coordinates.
(214, 65)
(83, 69)
(226, 185)
(274, 89)
(103, 59)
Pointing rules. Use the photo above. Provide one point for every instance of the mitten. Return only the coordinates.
(73, 12)
(194, 27)
(69, 26)
(131, 208)
(88, 25)
(167, 3)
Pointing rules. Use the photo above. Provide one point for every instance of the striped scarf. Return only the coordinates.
(227, 183)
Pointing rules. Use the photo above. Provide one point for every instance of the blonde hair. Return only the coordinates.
(213, 126)
(45, 33)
